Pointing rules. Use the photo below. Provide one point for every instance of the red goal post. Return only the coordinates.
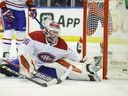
(106, 2)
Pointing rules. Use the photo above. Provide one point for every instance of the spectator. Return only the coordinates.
(79, 3)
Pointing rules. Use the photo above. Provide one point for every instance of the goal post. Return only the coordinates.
(105, 40)
(105, 22)
(84, 28)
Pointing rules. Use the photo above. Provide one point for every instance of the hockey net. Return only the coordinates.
(109, 19)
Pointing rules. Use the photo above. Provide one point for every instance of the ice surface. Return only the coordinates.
(19, 87)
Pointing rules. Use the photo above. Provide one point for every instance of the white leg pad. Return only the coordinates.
(27, 64)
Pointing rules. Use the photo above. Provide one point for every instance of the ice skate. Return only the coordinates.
(6, 56)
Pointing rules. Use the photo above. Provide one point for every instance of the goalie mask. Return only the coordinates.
(52, 30)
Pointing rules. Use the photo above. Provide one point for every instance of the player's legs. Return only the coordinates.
(20, 27)
(7, 36)
(20, 35)
(6, 42)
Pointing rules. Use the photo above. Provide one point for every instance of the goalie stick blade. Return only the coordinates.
(53, 82)
(49, 80)
(39, 83)
(42, 76)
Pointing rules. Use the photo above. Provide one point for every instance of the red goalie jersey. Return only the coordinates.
(37, 45)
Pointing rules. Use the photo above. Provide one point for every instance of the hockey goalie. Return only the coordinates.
(48, 53)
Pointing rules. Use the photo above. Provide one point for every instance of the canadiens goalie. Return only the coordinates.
(48, 53)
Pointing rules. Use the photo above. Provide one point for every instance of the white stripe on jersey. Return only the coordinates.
(16, 4)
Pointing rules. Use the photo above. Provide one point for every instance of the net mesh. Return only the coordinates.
(117, 34)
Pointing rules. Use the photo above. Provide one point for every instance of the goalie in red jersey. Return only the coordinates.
(48, 53)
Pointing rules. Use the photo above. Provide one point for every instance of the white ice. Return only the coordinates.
(20, 87)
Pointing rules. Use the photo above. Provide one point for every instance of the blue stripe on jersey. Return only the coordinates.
(7, 43)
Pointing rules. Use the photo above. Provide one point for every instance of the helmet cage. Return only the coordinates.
(52, 31)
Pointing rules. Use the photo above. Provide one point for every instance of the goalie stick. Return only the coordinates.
(23, 76)
(39, 22)
(49, 80)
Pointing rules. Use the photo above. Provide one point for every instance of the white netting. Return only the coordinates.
(118, 63)
(117, 31)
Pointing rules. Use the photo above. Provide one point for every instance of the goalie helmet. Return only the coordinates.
(52, 31)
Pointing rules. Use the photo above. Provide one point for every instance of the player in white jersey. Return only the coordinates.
(52, 55)
(14, 20)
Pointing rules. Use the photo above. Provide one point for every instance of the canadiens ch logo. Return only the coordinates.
(46, 57)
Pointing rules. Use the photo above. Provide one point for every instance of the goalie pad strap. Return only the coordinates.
(25, 63)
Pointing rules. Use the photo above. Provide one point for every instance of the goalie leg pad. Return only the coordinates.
(27, 64)
(73, 75)
(91, 70)
(49, 71)
(87, 72)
